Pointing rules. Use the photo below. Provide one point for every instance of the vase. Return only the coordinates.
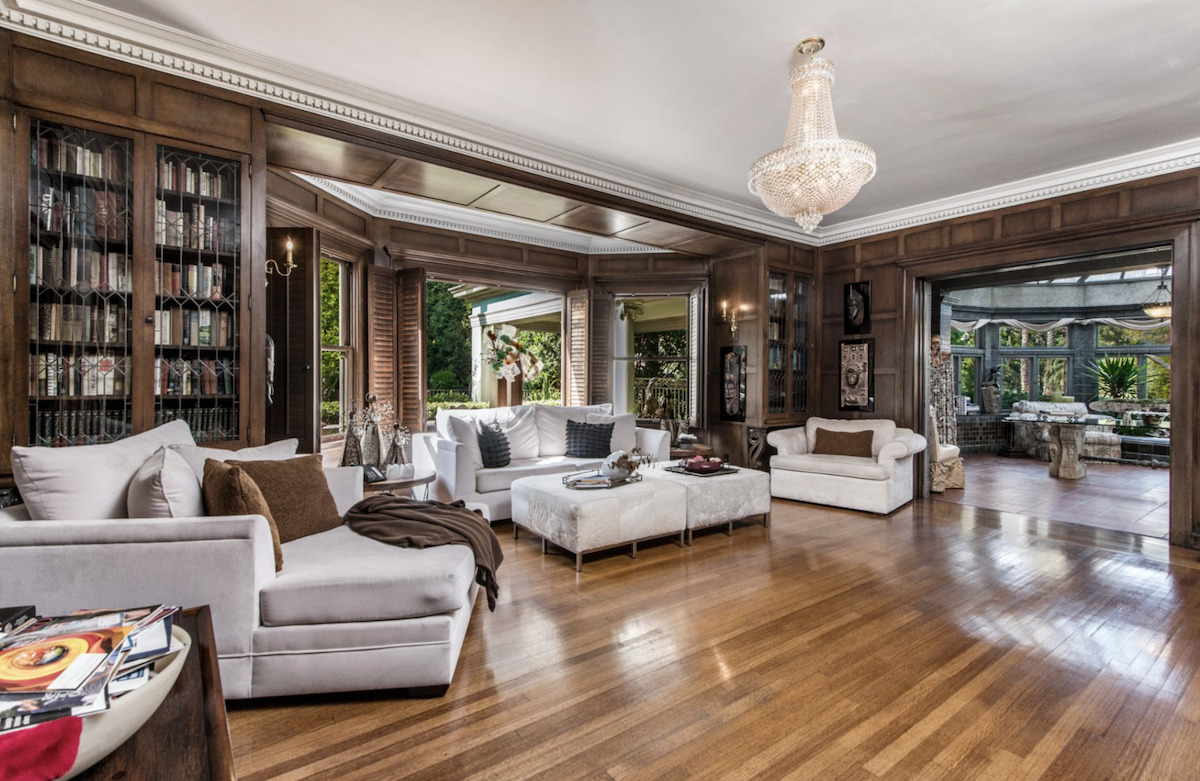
(352, 450)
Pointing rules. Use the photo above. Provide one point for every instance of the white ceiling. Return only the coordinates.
(969, 105)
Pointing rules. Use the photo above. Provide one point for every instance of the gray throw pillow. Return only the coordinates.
(493, 446)
(589, 440)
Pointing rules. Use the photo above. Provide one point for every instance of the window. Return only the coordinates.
(336, 353)
(651, 352)
(968, 377)
(962, 338)
(1022, 337)
(1116, 336)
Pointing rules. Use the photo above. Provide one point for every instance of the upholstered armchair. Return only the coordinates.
(857, 464)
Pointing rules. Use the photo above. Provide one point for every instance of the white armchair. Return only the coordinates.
(878, 483)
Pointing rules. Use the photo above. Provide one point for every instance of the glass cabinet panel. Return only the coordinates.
(777, 334)
(80, 286)
(788, 343)
(197, 243)
(799, 347)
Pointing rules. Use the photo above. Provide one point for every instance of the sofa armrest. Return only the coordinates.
(901, 447)
(654, 442)
(424, 450)
(455, 472)
(220, 561)
(789, 441)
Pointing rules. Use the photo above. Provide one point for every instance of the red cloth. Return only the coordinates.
(42, 752)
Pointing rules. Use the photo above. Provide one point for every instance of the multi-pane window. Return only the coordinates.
(651, 356)
(336, 353)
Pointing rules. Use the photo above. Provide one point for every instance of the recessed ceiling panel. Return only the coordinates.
(712, 245)
(598, 219)
(523, 202)
(426, 180)
(661, 234)
(298, 150)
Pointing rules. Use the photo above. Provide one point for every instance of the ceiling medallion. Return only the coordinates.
(815, 172)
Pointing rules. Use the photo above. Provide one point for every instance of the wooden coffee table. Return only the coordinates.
(188, 736)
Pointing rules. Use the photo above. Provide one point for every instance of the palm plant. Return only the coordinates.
(1117, 377)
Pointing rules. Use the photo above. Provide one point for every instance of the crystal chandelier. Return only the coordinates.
(815, 172)
(1159, 304)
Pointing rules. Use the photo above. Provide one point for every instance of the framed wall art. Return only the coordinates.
(856, 378)
(733, 382)
(857, 313)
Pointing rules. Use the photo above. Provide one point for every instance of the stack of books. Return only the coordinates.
(75, 665)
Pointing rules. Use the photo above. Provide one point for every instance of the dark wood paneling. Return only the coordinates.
(481, 248)
(285, 189)
(423, 240)
(1025, 222)
(308, 153)
(40, 78)
(597, 219)
(1096, 208)
(970, 232)
(343, 217)
(883, 249)
(556, 261)
(924, 240)
(193, 111)
(1164, 196)
(833, 303)
(416, 177)
(524, 202)
(292, 324)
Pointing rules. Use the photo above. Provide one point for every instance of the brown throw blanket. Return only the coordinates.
(410, 523)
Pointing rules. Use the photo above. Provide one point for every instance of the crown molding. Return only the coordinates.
(83, 25)
(435, 214)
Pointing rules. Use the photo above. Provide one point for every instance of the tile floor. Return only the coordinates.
(1112, 496)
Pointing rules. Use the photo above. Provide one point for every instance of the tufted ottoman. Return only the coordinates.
(719, 499)
(594, 519)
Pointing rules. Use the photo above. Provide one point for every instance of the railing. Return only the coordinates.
(672, 391)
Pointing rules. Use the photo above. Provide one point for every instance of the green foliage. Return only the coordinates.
(331, 303)
(962, 338)
(331, 413)
(546, 346)
(448, 334)
(449, 397)
(1158, 376)
(1116, 336)
(444, 379)
(661, 344)
(1116, 376)
(432, 407)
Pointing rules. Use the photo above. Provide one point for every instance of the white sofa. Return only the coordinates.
(537, 440)
(878, 484)
(1099, 441)
(344, 613)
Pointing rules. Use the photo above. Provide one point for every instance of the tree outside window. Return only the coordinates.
(335, 345)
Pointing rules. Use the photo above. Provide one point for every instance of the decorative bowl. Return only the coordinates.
(103, 732)
(694, 465)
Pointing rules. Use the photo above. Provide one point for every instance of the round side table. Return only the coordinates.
(401, 483)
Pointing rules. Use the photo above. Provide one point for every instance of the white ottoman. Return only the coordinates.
(720, 499)
(593, 519)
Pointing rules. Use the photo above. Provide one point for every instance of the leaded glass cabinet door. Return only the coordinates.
(777, 338)
(799, 339)
(197, 246)
(80, 286)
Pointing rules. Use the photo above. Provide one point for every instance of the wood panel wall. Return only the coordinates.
(900, 266)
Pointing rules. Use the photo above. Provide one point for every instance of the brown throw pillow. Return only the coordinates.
(228, 490)
(843, 443)
(297, 493)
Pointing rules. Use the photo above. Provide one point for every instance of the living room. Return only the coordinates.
(306, 134)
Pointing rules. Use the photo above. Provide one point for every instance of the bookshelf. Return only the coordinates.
(126, 235)
(788, 343)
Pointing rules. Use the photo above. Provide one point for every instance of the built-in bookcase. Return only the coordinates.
(788, 343)
(108, 263)
(80, 286)
(197, 240)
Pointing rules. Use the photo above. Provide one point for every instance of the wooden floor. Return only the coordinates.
(1111, 496)
(942, 642)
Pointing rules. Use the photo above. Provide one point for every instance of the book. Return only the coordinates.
(13, 617)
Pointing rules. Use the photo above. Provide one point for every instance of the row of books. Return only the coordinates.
(198, 280)
(63, 428)
(51, 374)
(55, 154)
(194, 229)
(77, 664)
(80, 211)
(212, 424)
(203, 376)
(100, 322)
(79, 268)
(184, 327)
(178, 175)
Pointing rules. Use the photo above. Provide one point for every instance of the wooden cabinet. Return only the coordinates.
(788, 346)
(129, 310)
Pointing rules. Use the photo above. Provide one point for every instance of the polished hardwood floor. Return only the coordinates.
(1111, 496)
(941, 642)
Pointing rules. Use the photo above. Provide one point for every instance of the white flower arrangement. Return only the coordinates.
(508, 357)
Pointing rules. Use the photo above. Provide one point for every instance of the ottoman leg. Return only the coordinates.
(681, 539)
(579, 562)
(729, 529)
(767, 520)
(689, 536)
(633, 553)
(543, 546)
(515, 530)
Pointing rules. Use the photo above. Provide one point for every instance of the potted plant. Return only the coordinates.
(1117, 377)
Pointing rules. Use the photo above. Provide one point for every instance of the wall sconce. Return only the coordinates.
(286, 268)
(729, 317)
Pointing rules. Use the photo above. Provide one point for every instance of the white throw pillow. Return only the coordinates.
(195, 455)
(521, 430)
(463, 431)
(88, 482)
(165, 487)
(624, 434)
(552, 425)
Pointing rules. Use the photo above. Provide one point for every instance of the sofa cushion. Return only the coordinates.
(462, 431)
(493, 446)
(843, 443)
(228, 490)
(297, 493)
(165, 487)
(88, 482)
(624, 434)
(521, 430)
(339, 576)
(195, 456)
(552, 425)
(885, 430)
(588, 440)
(488, 480)
(846, 466)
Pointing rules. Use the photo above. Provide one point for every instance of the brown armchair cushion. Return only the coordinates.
(297, 493)
(843, 443)
(228, 490)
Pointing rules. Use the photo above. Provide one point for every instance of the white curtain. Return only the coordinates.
(1132, 323)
